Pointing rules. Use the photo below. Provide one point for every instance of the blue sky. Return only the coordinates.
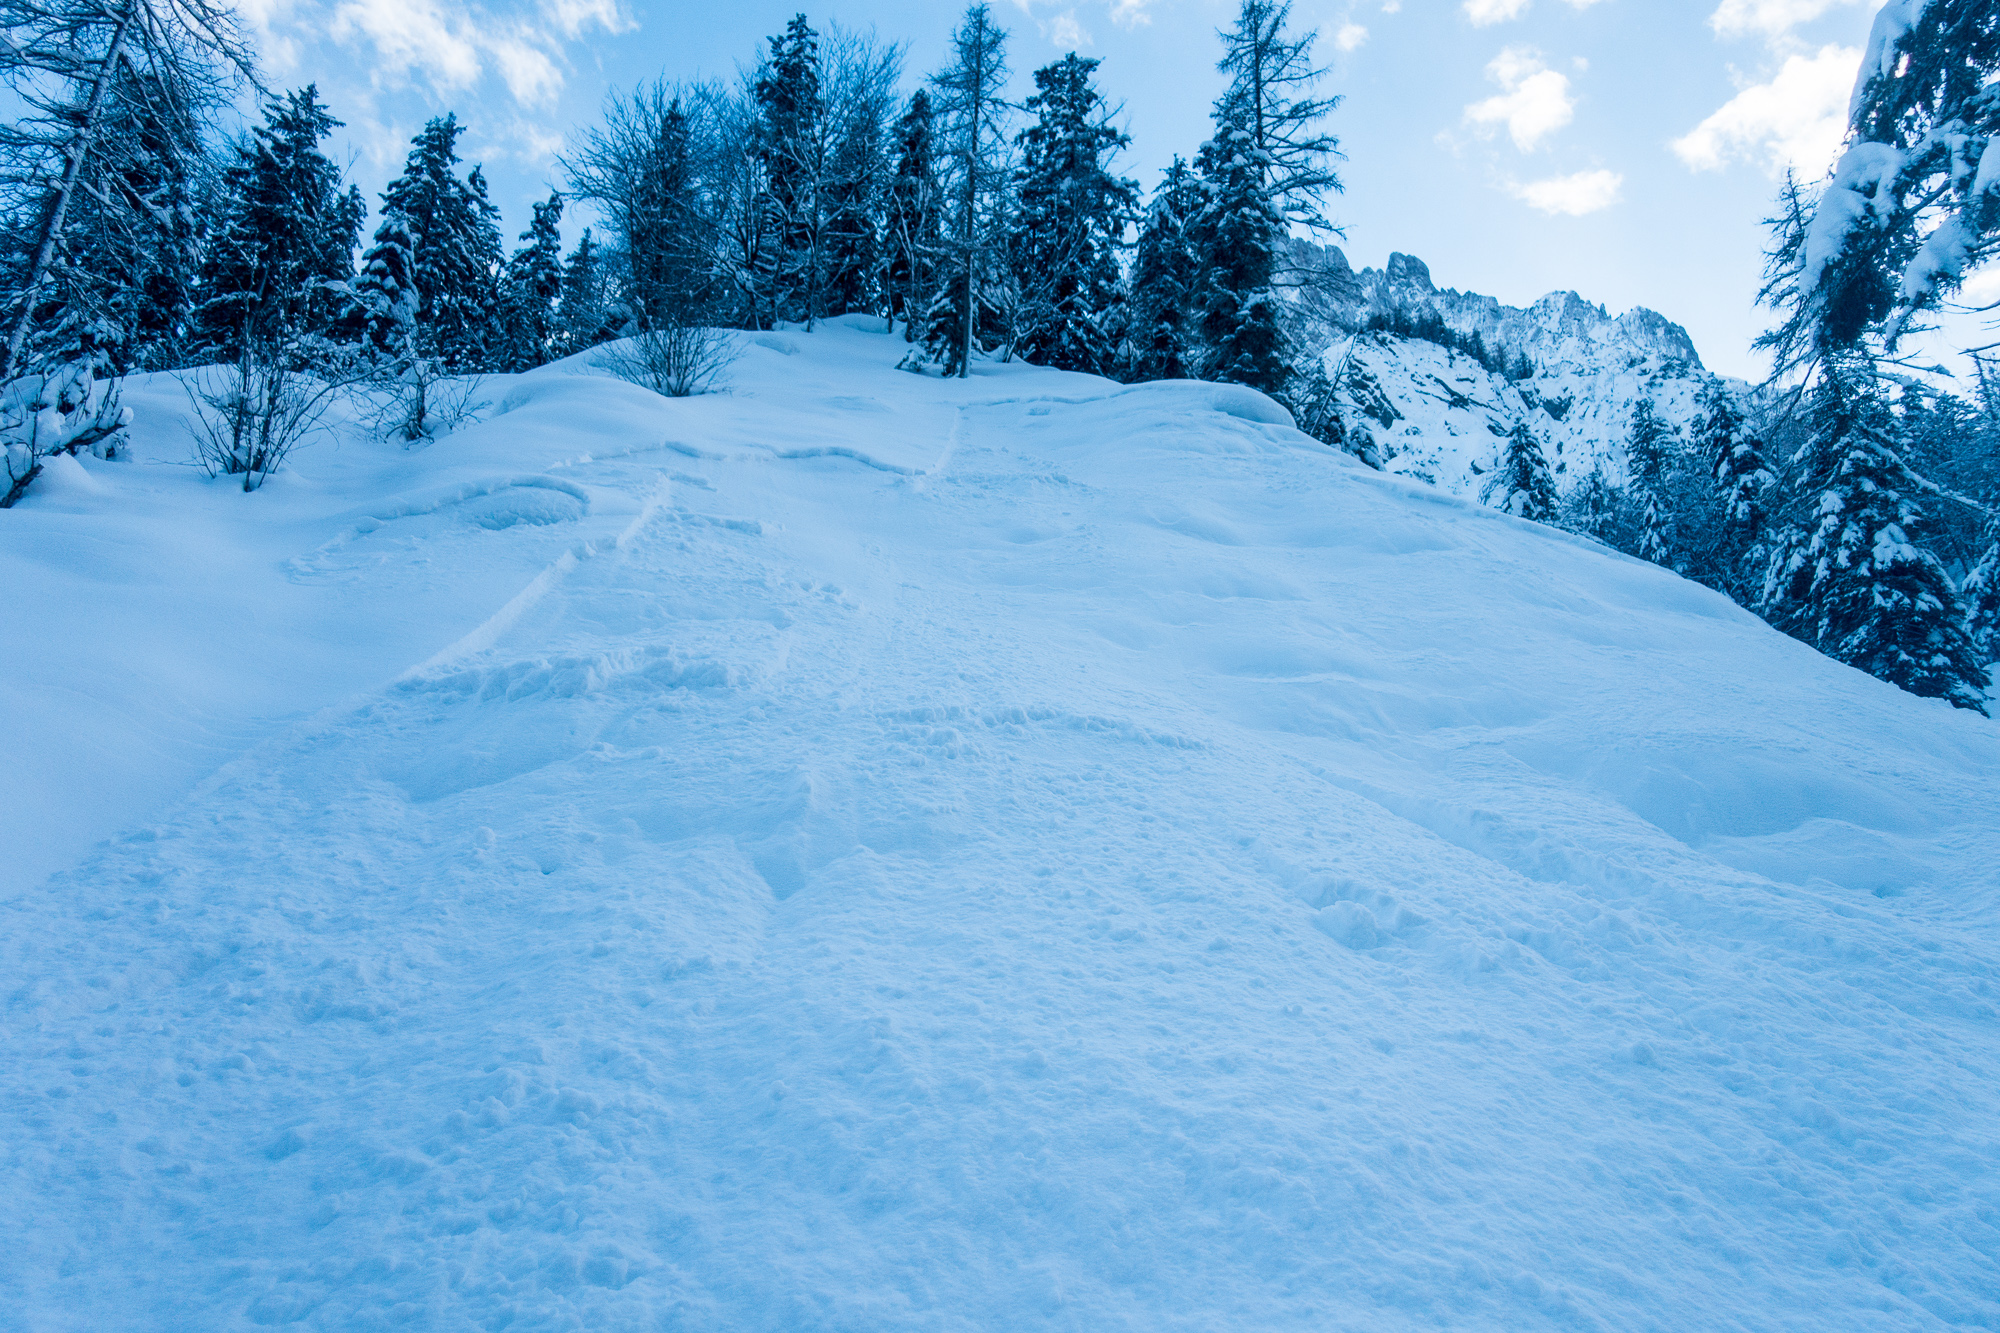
(1626, 149)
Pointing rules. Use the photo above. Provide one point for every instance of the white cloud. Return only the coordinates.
(1981, 287)
(1130, 13)
(1770, 19)
(1576, 195)
(1485, 13)
(1535, 103)
(451, 46)
(1067, 33)
(1350, 37)
(1796, 120)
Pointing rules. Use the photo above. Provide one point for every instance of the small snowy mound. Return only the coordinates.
(870, 852)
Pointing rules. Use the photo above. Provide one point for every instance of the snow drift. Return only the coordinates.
(861, 852)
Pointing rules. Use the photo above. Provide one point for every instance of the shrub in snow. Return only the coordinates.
(1981, 595)
(251, 415)
(70, 407)
(674, 360)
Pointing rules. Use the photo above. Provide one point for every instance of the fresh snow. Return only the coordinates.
(862, 852)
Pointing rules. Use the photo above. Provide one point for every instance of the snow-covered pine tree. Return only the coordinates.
(1159, 329)
(1736, 462)
(386, 290)
(1070, 215)
(1846, 574)
(277, 272)
(1981, 594)
(1913, 205)
(534, 284)
(1649, 444)
(1237, 234)
(853, 241)
(1523, 485)
(911, 229)
(456, 238)
(580, 318)
(1656, 541)
(970, 138)
(793, 146)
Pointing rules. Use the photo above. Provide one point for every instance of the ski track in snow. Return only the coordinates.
(1017, 854)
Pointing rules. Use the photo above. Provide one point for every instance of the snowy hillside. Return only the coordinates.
(863, 852)
(1439, 414)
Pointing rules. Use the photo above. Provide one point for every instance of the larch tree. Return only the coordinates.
(971, 156)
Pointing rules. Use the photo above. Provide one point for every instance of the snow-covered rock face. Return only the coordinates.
(875, 854)
(1438, 414)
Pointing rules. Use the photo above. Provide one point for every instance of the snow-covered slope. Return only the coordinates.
(1439, 414)
(869, 853)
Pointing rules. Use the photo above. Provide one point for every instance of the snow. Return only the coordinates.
(868, 852)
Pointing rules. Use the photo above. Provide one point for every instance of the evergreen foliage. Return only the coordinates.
(580, 317)
(534, 285)
(1523, 485)
(1160, 336)
(1270, 98)
(911, 230)
(387, 293)
(455, 246)
(1238, 233)
(1071, 216)
(792, 146)
(1846, 573)
(280, 269)
(1981, 595)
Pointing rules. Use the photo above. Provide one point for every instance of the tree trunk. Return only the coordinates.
(79, 152)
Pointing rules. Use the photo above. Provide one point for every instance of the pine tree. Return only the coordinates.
(456, 238)
(386, 290)
(533, 286)
(1160, 333)
(790, 97)
(1981, 594)
(1523, 485)
(1070, 217)
(971, 141)
(580, 318)
(278, 271)
(1649, 445)
(1736, 461)
(1656, 536)
(1847, 574)
(1237, 235)
(911, 228)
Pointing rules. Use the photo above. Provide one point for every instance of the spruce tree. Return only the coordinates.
(453, 230)
(911, 229)
(1656, 541)
(1238, 233)
(534, 284)
(1736, 462)
(1160, 341)
(1847, 574)
(580, 318)
(1523, 485)
(1649, 448)
(1981, 594)
(278, 269)
(386, 290)
(792, 145)
(1070, 215)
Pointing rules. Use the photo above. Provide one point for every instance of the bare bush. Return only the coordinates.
(675, 360)
(250, 416)
(424, 401)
